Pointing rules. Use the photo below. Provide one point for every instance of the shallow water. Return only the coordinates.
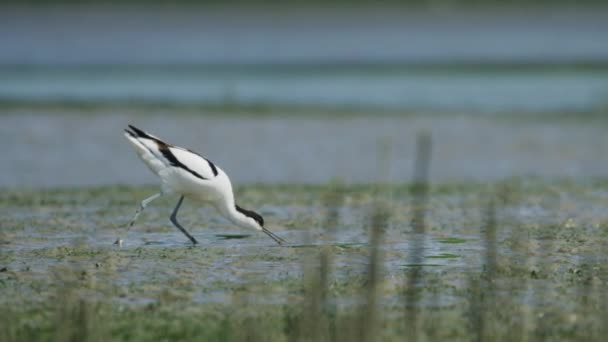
(46, 231)
(545, 261)
(74, 149)
(81, 237)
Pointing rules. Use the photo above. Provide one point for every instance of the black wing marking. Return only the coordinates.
(211, 165)
(163, 147)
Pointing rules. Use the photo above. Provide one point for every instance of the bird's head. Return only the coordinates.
(251, 218)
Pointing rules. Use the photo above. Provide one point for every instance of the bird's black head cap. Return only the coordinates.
(250, 213)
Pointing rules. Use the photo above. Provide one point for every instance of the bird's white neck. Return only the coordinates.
(237, 217)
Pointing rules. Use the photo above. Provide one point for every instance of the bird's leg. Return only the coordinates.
(174, 221)
(142, 206)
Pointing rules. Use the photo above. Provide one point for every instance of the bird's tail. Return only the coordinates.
(138, 133)
(146, 147)
(133, 137)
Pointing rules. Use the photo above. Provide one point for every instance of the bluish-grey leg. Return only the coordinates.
(142, 206)
(174, 221)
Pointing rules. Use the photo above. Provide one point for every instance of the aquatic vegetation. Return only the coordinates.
(347, 274)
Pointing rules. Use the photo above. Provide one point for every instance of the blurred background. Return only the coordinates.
(290, 93)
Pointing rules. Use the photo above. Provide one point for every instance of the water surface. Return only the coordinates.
(75, 149)
(299, 57)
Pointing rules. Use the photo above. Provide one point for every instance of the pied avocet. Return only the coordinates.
(188, 174)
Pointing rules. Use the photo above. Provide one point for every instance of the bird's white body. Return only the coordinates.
(189, 174)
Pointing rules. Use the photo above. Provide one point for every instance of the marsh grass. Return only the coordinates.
(419, 195)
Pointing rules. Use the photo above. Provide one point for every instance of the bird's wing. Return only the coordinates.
(192, 162)
(169, 155)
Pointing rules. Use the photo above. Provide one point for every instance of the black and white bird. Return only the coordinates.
(190, 175)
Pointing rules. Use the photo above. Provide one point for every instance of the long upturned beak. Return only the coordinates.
(274, 236)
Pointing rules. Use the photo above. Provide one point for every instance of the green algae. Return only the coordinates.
(443, 256)
(451, 240)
